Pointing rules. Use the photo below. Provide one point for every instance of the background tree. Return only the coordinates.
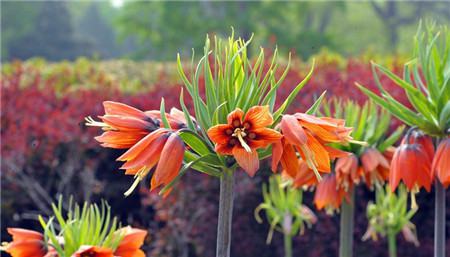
(98, 31)
(52, 36)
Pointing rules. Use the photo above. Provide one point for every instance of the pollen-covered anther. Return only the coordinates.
(240, 134)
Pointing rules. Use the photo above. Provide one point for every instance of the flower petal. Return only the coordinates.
(441, 162)
(372, 158)
(149, 156)
(289, 160)
(258, 117)
(224, 149)
(277, 152)
(141, 145)
(292, 131)
(235, 118)
(319, 154)
(115, 108)
(133, 239)
(263, 137)
(119, 139)
(248, 161)
(126, 123)
(220, 134)
(24, 234)
(170, 162)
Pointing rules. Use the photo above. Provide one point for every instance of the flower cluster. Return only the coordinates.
(86, 231)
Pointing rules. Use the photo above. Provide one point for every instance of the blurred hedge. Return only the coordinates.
(46, 150)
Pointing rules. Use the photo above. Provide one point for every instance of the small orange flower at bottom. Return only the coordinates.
(26, 243)
(441, 162)
(348, 173)
(131, 243)
(376, 165)
(243, 135)
(328, 195)
(93, 251)
(305, 176)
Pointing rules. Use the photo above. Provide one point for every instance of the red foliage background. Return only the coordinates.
(46, 150)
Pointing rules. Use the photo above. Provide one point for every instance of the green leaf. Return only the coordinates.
(293, 94)
(162, 109)
(391, 139)
(444, 118)
(407, 117)
(194, 141)
(187, 115)
(313, 109)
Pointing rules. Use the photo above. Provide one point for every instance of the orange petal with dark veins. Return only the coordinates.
(248, 161)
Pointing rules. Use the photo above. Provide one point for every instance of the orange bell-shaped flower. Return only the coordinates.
(347, 172)
(418, 137)
(412, 165)
(328, 195)
(375, 166)
(441, 162)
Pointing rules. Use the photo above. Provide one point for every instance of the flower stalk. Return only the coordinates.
(225, 213)
(392, 242)
(287, 245)
(347, 225)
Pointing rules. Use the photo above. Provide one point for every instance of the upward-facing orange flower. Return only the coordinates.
(93, 251)
(131, 243)
(148, 143)
(441, 162)
(308, 135)
(243, 135)
(26, 243)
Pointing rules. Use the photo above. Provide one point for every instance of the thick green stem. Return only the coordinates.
(347, 224)
(225, 214)
(439, 220)
(392, 244)
(287, 245)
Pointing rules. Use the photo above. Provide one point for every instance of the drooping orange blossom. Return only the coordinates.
(243, 135)
(26, 243)
(309, 135)
(372, 168)
(328, 194)
(375, 165)
(411, 162)
(148, 143)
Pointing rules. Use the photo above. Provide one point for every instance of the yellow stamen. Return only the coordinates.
(312, 163)
(240, 134)
(137, 178)
(93, 123)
